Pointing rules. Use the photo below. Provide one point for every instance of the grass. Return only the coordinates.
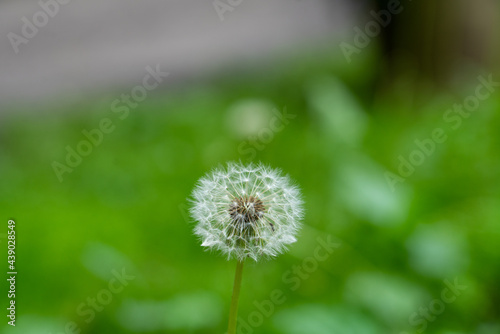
(128, 200)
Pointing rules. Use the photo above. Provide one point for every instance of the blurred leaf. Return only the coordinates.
(340, 116)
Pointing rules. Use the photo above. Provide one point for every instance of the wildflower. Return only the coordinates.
(246, 211)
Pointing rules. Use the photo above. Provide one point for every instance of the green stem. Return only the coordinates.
(233, 312)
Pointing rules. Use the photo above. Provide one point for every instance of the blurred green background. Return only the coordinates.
(124, 207)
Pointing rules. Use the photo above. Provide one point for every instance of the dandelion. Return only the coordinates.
(246, 211)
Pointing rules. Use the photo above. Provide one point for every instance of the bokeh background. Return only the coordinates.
(354, 122)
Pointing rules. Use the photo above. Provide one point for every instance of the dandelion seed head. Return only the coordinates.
(246, 211)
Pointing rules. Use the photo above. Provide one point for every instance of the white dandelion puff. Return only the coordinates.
(246, 211)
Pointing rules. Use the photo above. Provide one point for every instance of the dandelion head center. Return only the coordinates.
(247, 209)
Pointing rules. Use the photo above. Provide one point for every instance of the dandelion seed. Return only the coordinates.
(246, 211)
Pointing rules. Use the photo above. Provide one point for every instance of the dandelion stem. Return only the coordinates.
(233, 312)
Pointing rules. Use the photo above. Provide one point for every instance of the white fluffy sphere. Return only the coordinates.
(246, 211)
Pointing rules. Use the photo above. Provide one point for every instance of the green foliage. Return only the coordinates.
(125, 206)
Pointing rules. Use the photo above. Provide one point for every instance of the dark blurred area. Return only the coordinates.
(442, 43)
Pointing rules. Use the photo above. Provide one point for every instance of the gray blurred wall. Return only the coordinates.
(84, 46)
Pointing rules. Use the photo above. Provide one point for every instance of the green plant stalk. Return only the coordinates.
(233, 312)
